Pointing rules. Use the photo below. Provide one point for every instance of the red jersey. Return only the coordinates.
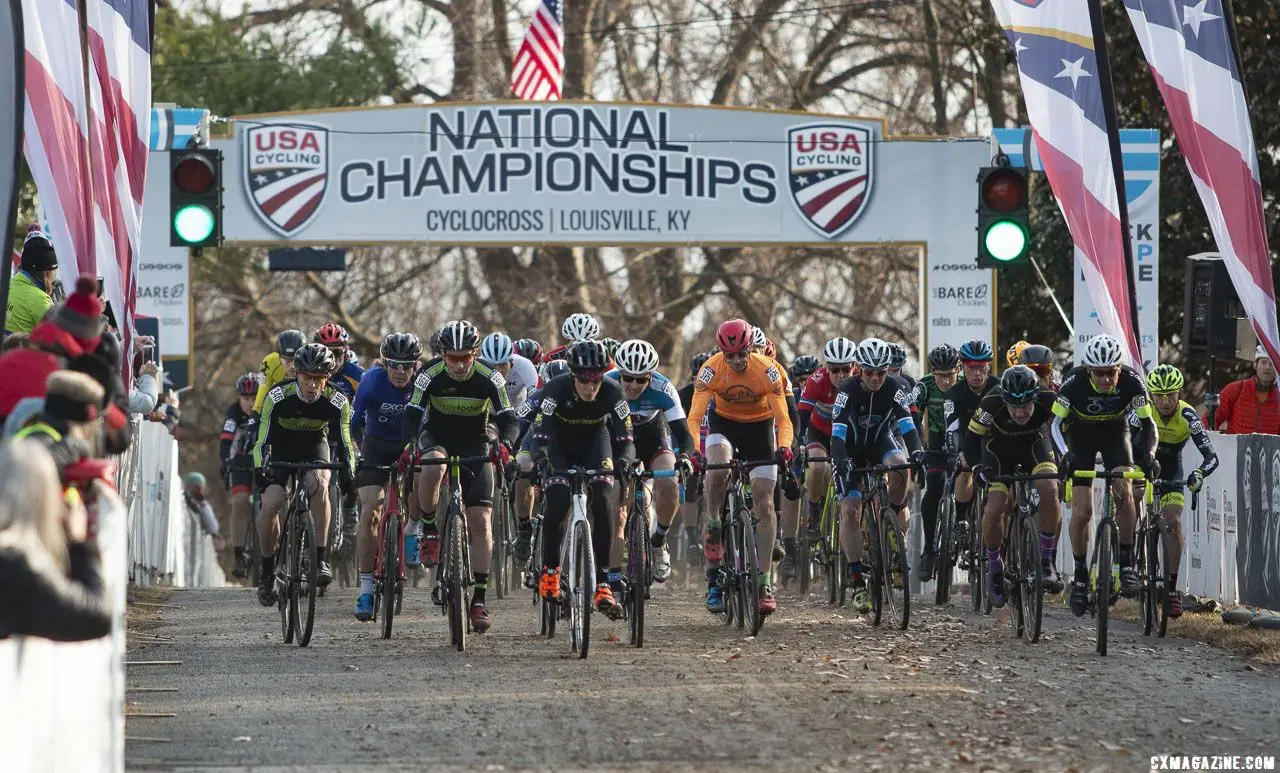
(817, 399)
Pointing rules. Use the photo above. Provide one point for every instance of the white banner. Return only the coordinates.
(164, 272)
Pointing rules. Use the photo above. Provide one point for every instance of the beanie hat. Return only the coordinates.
(72, 396)
(37, 251)
(81, 314)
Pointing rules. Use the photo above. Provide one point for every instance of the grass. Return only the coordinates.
(1258, 646)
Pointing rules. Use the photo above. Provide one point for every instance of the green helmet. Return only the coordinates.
(1165, 379)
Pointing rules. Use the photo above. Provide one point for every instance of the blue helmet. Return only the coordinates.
(975, 351)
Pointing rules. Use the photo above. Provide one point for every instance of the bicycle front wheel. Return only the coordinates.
(501, 534)
(390, 569)
(749, 577)
(637, 571)
(286, 561)
(304, 588)
(944, 562)
(898, 599)
(583, 587)
(1032, 576)
(875, 553)
(1104, 583)
(454, 580)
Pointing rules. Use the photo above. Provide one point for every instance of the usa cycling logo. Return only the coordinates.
(1029, 3)
(286, 172)
(830, 171)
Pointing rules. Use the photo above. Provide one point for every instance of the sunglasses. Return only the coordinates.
(400, 364)
(839, 368)
(737, 355)
(1104, 372)
(588, 376)
(458, 359)
(878, 373)
(635, 379)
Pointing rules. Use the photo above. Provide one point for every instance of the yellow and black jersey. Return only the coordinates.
(992, 421)
(1174, 432)
(289, 421)
(459, 409)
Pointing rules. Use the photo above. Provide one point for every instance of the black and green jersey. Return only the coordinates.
(926, 397)
(291, 422)
(458, 410)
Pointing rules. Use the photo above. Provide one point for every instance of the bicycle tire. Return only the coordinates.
(1149, 572)
(1013, 568)
(875, 556)
(804, 563)
(308, 567)
(1104, 581)
(251, 550)
(453, 581)
(583, 587)
(977, 562)
(498, 572)
(944, 562)
(834, 580)
(637, 571)
(1033, 580)
(749, 580)
(284, 565)
(1164, 593)
(899, 598)
(390, 570)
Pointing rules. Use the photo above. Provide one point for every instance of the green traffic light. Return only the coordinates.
(1005, 240)
(193, 223)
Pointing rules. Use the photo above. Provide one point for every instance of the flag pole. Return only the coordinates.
(10, 211)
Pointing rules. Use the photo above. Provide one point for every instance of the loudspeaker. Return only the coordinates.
(1211, 308)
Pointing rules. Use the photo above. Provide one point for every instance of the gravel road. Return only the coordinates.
(819, 689)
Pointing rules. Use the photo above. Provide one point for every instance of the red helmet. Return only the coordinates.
(770, 350)
(247, 385)
(332, 335)
(733, 336)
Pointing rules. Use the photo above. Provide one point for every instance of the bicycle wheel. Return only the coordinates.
(499, 571)
(875, 557)
(1032, 575)
(727, 578)
(285, 561)
(583, 588)
(894, 546)
(453, 581)
(944, 562)
(1148, 566)
(804, 560)
(390, 569)
(832, 553)
(304, 588)
(1104, 582)
(637, 570)
(1163, 593)
(977, 564)
(251, 550)
(1011, 553)
(749, 582)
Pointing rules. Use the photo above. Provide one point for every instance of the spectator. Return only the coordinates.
(31, 291)
(67, 424)
(1251, 405)
(50, 571)
(16, 341)
(103, 364)
(145, 394)
(193, 491)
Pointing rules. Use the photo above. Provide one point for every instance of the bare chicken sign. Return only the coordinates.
(586, 173)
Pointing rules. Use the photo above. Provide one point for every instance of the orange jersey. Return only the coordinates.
(756, 394)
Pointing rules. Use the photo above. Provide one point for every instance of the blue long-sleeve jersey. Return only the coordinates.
(379, 405)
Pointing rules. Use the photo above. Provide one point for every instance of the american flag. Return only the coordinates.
(1072, 121)
(538, 71)
(1188, 45)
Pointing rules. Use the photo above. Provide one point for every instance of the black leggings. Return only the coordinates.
(592, 453)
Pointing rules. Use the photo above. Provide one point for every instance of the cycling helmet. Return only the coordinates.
(636, 357)
(1038, 358)
(1165, 379)
(289, 342)
(552, 369)
(580, 327)
(610, 346)
(975, 351)
(459, 336)
(315, 359)
(247, 385)
(899, 355)
(873, 354)
(587, 355)
(403, 347)
(496, 348)
(769, 350)
(733, 335)
(434, 344)
(698, 360)
(1018, 385)
(530, 349)
(332, 335)
(943, 357)
(1015, 351)
(805, 365)
(1102, 351)
(758, 339)
(839, 351)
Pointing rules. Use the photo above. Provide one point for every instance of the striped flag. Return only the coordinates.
(1066, 85)
(538, 71)
(1190, 48)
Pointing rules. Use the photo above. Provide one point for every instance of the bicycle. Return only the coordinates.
(1153, 596)
(297, 562)
(453, 577)
(1023, 571)
(251, 549)
(577, 554)
(946, 548)
(975, 559)
(548, 610)
(740, 582)
(888, 547)
(639, 575)
(388, 594)
(1106, 534)
(825, 550)
(504, 533)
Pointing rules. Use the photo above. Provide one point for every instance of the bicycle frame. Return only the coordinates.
(579, 599)
(888, 540)
(741, 578)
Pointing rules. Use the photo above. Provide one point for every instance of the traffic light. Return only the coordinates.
(195, 197)
(1004, 232)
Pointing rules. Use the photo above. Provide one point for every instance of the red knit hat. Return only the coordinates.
(81, 314)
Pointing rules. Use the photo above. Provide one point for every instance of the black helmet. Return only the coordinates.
(289, 342)
(805, 365)
(247, 385)
(898, 355)
(610, 346)
(404, 347)
(1018, 385)
(434, 344)
(459, 336)
(1036, 355)
(587, 355)
(315, 359)
(530, 349)
(553, 369)
(943, 357)
(698, 360)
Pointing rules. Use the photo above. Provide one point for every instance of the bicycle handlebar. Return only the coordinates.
(881, 468)
(735, 463)
(1022, 478)
(305, 466)
(1109, 475)
(450, 459)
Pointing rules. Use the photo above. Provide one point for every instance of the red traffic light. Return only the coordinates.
(193, 174)
(1004, 191)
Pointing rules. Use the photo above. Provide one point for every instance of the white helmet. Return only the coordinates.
(580, 327)
(1102, 351)
(636, 357)
(758, 338)
(496, 348)
(839, 351)
(873, 354)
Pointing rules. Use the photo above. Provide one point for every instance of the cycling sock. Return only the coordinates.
(429, 520)
(268, 567)
(1173, 580)
(615, 577)
(815, 514)
(995, 563)
(1125, 554)
(658, 538)
(1048, 544)
(481, 585)
(366, 583)
(602, 576)
(1082, 571)
(659, 529)
(322, 553)
(790, 546)
(855, 570)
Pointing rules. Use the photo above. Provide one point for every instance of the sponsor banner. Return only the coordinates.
(1257, 550)
(959, 302)
(1141, 158)
(164, 277)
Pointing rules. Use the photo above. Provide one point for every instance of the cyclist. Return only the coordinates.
(278, 365)
(958, 405)
(1013, 355)
(817, 402)
(693, 492)
(804, 367)
(787, 498)
(379, 407)
(927, 398)
(1008, 431)
(867, 410)
(235, 467)
(1176, 422)
(1091, 416)
(686, 392)
(298, 418)
(449, 414)
(583, 421)
(525, 488)
(497, 351)
(529, 349)
(661, 431)
(346, 376)
(750, 416)
(898, 360)
(576, 327)
(1040, 360)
